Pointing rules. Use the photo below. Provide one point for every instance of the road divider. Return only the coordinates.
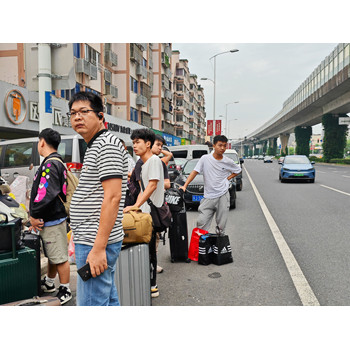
(301, 284)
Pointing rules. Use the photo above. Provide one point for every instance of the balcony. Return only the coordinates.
(168, 117)
(136, 54)
(168, 95)
(168, 128)
(141, 100)
(165, 105)
(141, 70)
(146, 120)
(165, 60)
(111, 58)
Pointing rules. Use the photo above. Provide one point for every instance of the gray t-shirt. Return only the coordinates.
(215, 174)
(153, 170)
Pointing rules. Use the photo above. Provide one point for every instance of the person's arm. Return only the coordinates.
(167, 156)
(190, 178)
(143, 196)
(97, 259)
(233, 175)
(167, 184)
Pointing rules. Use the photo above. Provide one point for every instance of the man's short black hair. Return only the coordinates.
(161, 139)
(144, 134)
(221, 138)
(95, 100)
(51, 137)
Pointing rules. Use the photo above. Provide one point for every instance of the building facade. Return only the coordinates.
(136, 82)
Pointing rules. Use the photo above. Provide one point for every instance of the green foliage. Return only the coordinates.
(286, 150)
(340, 160)
(334, 140)
(316, 159)
(302, 137)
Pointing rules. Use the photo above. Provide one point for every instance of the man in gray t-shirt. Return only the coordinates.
(217, 170)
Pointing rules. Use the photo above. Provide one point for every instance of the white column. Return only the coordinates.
(44, 76)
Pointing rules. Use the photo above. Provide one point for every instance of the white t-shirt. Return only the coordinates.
(153, 170)
(215, 174)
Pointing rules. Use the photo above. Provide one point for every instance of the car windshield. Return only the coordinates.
(296, 160)
(189, 166)
(233, 156)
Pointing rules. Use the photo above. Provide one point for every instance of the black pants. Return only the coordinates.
(153, 258)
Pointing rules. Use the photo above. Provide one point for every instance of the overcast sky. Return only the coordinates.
(260, 76)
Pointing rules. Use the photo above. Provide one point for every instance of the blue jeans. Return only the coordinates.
(101, 290)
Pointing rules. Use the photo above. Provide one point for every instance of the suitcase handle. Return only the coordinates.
(13, 235)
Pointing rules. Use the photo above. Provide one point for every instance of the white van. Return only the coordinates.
(189, 151)
(21, 157)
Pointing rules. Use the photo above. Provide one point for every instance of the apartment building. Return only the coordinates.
(135, 80)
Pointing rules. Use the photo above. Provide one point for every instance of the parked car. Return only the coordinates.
(195, 190)
(231, 153)
(280, 160)
(267, 159)
(189, 151)
(180, 162)
(297, 167)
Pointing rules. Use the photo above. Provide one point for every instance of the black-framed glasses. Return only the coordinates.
(82, 112)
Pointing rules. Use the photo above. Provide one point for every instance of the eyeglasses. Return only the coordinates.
(82, 112)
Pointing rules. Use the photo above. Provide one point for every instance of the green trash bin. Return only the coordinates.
(18, 273)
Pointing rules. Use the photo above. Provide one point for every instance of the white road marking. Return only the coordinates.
(323, 172)
(345, 175)
(301, 284)
(334, 189)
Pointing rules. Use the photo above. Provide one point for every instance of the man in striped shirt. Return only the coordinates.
(96, 209)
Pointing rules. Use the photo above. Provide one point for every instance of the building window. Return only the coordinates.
(91, 55)
(133, 115)
(133, 85)
(109, 108)
(76, 50)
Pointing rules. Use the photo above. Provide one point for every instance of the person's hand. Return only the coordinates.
(127, 209)
(97, 259)
(183, 188)
(36, 224)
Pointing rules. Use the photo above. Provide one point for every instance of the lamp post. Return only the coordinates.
(221, 53)
(226, 126)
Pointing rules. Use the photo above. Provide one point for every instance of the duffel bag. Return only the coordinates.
(137, 226)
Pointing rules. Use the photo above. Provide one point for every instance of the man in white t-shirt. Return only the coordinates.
(217, 170)
(152, 176)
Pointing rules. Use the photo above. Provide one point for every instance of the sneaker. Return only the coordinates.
(64, 294)
(159, 269)
(154, 292)
(45, 287)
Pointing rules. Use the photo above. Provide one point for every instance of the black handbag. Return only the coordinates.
(222, 252)
(205, 250)
(6, 229)
(161, 216)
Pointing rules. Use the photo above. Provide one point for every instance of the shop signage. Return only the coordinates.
(16, 107)
(117, 128)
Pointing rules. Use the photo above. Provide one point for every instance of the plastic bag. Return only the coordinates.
(71, 250)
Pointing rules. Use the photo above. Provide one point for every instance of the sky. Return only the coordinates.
(260, 76)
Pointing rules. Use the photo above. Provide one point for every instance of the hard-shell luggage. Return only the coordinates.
(17, 270)
(36, 301)
(178, 234)
(133, 276)
(32, 241)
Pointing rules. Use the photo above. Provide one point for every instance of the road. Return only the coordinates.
(294, 251)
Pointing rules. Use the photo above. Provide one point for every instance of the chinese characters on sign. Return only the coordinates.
(210, 128)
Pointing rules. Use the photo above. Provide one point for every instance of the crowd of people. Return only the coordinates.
(110, 184)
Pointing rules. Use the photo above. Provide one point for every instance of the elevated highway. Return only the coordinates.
(325, 91)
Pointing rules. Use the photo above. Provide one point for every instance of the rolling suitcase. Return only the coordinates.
(178, 234)
(37, 301)
(133, 276)
(33, 241)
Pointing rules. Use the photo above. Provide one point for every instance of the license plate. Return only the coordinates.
(197, 198)
(300, 174)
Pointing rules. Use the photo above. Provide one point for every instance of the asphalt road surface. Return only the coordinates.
(290, 245)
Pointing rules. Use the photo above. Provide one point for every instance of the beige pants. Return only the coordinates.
(55, 243)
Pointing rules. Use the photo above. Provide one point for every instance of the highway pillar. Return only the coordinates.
(284, 142)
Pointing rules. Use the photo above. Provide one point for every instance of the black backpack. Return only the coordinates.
(132, 191)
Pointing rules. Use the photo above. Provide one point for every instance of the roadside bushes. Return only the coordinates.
(302, 137)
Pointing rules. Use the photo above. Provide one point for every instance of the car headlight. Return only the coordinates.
(286, 169)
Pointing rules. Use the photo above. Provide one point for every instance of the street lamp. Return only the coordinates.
(226, 128)
(221, 53)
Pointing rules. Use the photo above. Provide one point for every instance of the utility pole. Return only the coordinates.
(45, 86)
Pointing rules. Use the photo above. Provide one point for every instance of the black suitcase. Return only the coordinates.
(32, 241)
(178, 234)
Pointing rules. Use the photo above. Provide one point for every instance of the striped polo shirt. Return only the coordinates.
(105, 158)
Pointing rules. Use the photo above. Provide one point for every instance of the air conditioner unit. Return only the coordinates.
(114, 91)
(82, 66)
(93, 72)
(108, 76)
